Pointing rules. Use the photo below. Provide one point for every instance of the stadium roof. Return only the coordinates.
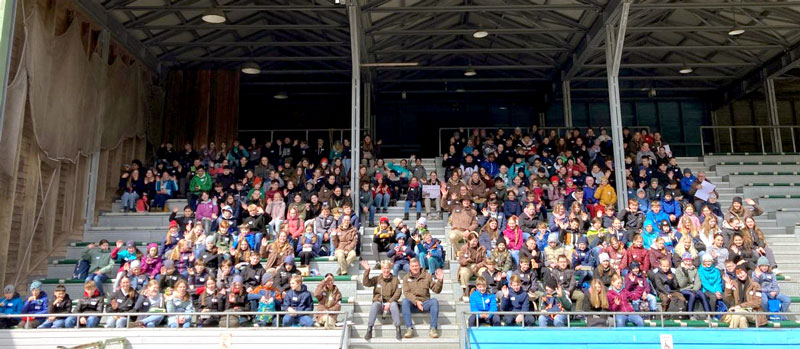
(531, 45)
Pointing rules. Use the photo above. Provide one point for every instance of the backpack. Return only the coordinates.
(774, 306)
(677, 305)
(142, 204)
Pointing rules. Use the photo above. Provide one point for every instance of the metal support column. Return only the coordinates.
(567, 96)
(615, 39)
(91, 191)
(772, 106)
(368, 125)
(355, 105)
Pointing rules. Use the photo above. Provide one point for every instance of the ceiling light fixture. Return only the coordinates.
(281, 95)
(686, 70)
(251, 68)
(736, 30)
(213, 16)
(470, 72)
(480, 34)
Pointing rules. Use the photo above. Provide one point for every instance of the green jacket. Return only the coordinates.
(98, 260)
(204, 183)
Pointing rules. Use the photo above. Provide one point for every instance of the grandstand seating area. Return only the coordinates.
(733, 176)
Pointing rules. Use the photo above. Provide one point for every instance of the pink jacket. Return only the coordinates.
(276, 210)
(514, 239)
(206, 210)
(295, 227)
(623, 296)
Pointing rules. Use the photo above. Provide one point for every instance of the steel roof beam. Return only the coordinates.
(469, 31)
(483, 8)
(754, 80)
(232, 8)
(251, 43)
(241, 27)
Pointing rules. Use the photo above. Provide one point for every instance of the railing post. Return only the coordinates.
(761, 136)
(730, 137)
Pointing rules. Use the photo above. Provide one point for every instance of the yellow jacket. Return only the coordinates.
(606, 195)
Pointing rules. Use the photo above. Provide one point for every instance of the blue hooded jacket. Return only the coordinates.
(686, 184)
(671, 207)
(11, 306)
(37, 306)
(299, 300)
(482, 302)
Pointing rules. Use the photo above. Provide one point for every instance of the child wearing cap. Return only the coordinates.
(265, 298)
(689, 282)
(91, 302)
(383, 237)
(430, 252)
(36, 303)
(152, 262)
(169, 276)
(236, 301)
(60, 305)
(210, 255)
(770, 290)
(10, 304)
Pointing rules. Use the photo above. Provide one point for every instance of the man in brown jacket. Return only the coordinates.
(386, 291)
(462, 221)
(471, 260)
(345, 239)
(416, 287)
(329, 298)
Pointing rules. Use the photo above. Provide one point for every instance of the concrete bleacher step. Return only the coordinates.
(773, 202)
(419, 342)
(757, 192)
(448, 318)
(726, 168)
(135, 233)
(116, 206)
(365, 294)
(147, 219)
(716, 158)
(742, 178)
(421, 329)
(201, 338)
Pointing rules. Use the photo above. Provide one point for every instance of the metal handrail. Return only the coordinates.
(306, 130)
(227, 314)
(775, 130)
(344, 341)
(559, 130)
(465, 317)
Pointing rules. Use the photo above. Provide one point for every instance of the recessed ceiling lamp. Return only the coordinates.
(251, 68)
(461, 90)
(213, 16)
(686, 70)
(281, 95)
(480, 33)
(470, 72)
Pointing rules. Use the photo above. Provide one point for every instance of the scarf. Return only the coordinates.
(710, 278)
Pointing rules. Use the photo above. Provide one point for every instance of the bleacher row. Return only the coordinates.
(773, 188)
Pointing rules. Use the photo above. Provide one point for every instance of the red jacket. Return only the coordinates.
(623, 295)
(634, 254)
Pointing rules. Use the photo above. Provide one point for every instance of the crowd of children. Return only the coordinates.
(533, 226)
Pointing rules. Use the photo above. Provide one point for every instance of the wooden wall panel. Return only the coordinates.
(201, 106)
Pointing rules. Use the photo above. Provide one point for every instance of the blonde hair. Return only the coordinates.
(599, 299)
